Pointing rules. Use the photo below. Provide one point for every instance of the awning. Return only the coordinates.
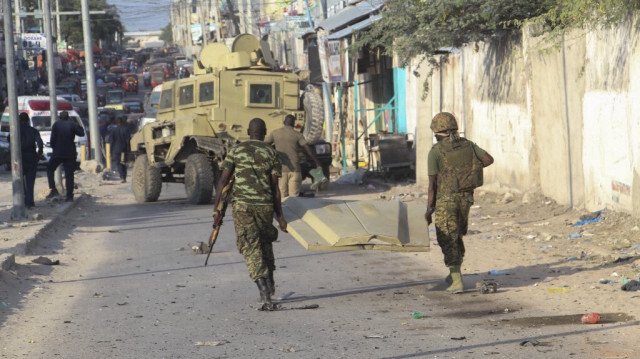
(350, 14)
(320, 224)
(355, 27)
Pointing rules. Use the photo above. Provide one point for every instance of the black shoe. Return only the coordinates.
(265, 296)
(54, 193)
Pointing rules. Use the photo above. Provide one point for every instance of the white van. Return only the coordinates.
(37, 107)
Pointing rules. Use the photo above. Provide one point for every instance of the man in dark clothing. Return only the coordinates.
(63, 134)
(119, 141)
(30, 138)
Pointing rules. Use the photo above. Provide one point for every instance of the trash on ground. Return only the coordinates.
(374, 336)
(591, 318)
(631, 286)
(498, 272)
(572, 258)
(114, 231)
(487, 286)
(122, 303)
(607, 281)
(98, 295)
(574, 235)
(417, 315)
(531, 342)
(458, 338)
(354, 177)
(45, 261)
(288, 350)
(210, 344)
(624, 259)
(590, 216)
(558, 289)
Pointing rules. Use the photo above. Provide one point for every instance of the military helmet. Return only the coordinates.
(444, 121)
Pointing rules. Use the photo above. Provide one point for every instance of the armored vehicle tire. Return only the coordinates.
(147, 180)
(199, 178)
(314, 115)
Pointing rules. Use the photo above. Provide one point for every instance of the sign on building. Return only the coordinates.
(34, 41)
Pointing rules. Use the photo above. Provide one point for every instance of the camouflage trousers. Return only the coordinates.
(255, 234)
(452, 217)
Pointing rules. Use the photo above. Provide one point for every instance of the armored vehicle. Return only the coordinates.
(199, 118)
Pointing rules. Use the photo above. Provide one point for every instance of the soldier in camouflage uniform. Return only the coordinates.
(455, 169)
(256, 167)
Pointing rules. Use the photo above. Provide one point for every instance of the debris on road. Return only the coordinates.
(458, 338)
(531, 342)
(417, 315)
(631, 286)
(210, 344)
(590, 318)
(45, 261)
(374, 336)
(487, 286)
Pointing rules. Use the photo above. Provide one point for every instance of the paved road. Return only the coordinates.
(130, 287)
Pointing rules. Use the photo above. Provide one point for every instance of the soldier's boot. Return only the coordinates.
(448, 279)
(271, 283)
(457, 286)
(265, 296)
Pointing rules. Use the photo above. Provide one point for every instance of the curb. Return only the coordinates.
(8, 260)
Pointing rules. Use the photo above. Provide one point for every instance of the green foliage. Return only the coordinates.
(167, 34)
(103, 27)
(412, 28)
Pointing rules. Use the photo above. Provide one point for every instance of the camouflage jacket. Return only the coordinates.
(252, 163)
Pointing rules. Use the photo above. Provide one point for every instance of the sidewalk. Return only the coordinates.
(18, 237)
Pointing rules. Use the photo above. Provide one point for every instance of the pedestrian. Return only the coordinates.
(256, 168)
(455, 167)
(288, 143)
(30, 139)
(63, 133)
(120, 145)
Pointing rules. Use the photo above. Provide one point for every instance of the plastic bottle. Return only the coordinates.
(498, 272)
(417, 315)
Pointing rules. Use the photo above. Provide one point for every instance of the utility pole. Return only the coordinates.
(51, 72)
(58, 26)
(18, 212)
(216, 15)
(234, 18)
(203, 24)
(91, 83)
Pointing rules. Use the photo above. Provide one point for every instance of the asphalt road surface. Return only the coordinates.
(129, 286)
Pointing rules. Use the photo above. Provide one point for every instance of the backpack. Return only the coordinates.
(462, 170)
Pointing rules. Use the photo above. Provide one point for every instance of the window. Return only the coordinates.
(206, 92)
(166, 99)
(41, 123)
(260, 94)
(186, 95)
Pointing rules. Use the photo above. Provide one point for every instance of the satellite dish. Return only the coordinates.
(245, 43)
(212, 54)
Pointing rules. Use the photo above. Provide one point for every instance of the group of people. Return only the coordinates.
(64, 152)
(264, 174)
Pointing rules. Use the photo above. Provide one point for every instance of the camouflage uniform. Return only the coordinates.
(455, 192)
(252, 163)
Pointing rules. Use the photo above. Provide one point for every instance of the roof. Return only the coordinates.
(350, 14)
(355, 27)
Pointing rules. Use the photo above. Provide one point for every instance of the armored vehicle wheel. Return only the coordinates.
(314, 114)
(199, 178)
(147, 180)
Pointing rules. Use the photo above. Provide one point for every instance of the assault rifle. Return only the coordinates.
(222, 208)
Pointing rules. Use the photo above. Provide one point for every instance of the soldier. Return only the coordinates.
(256, 167)
(288, 142)
(455, 169)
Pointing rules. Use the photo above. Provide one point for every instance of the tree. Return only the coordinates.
(167, 34)
(103, 27)
(412, 28)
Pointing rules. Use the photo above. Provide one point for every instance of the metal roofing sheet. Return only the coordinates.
(355, 27)
(351, 13)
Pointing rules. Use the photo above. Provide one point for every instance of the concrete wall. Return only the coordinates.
(558, 119)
